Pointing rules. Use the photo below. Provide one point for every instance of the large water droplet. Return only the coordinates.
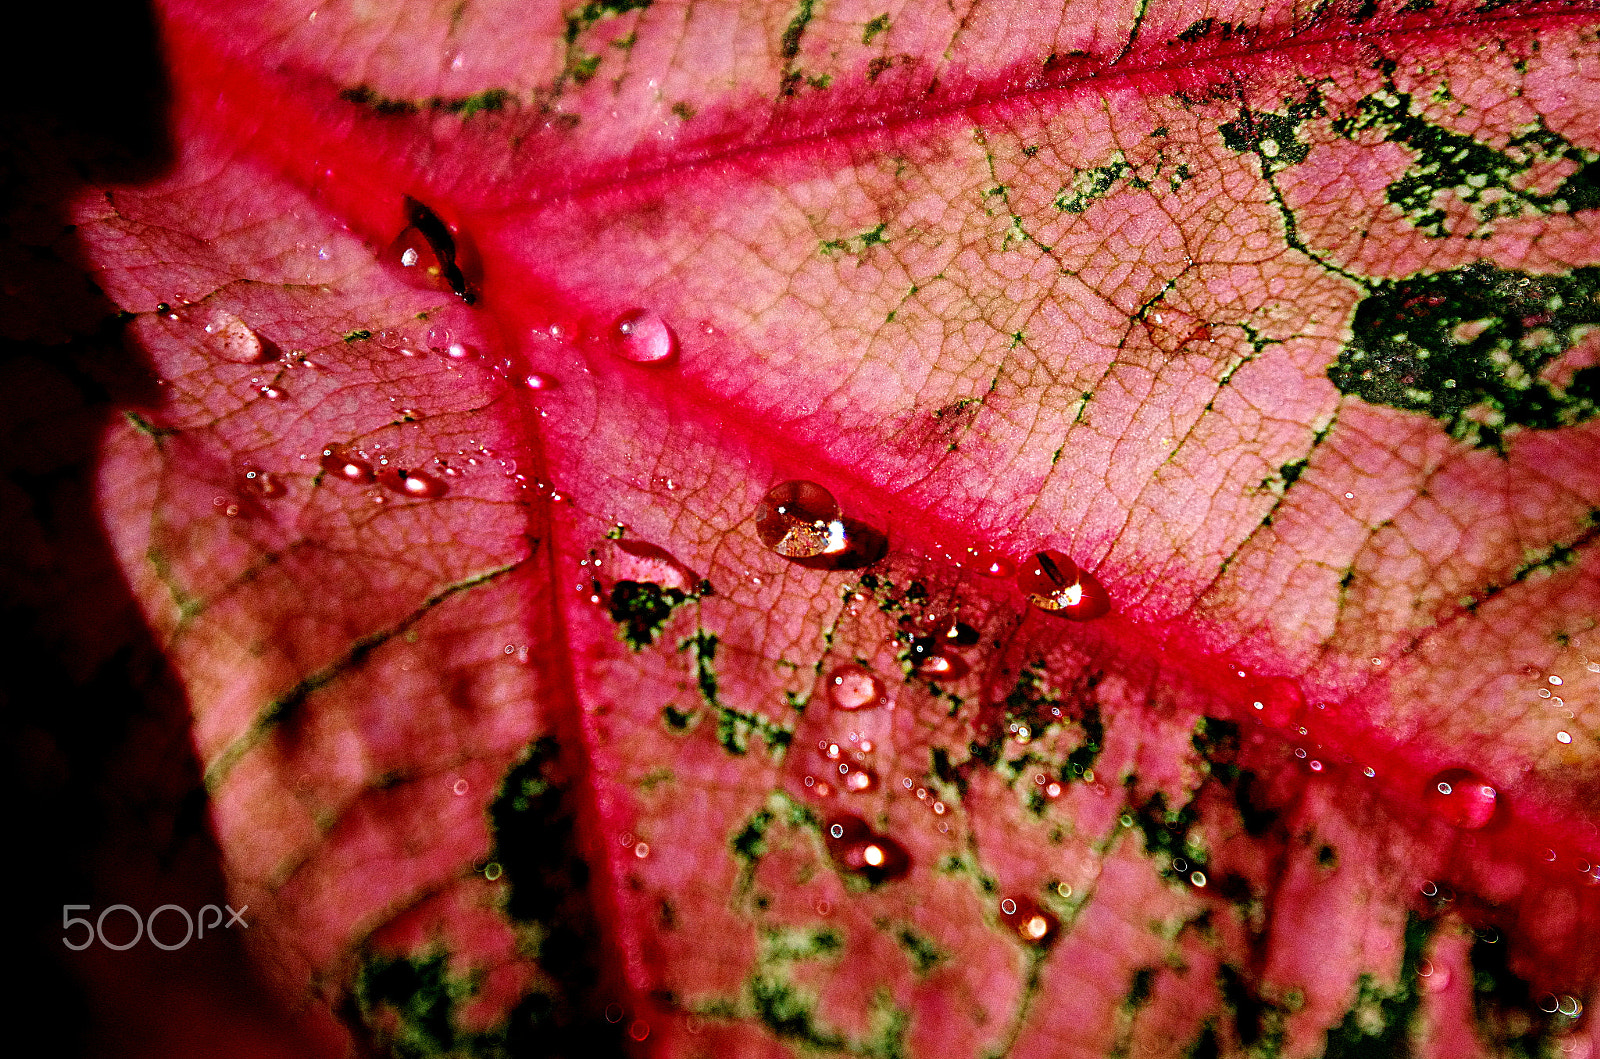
(232, 339)
(643, 337)
(856, 848)
(430, 254)
(346, 467)
(1030, 922)
(855, 687)
(1054, 583)
(794, 519)
(1461, 798)
(412, 483)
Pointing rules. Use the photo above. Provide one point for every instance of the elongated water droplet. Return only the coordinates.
(1461, 798)
(347, 467)
(430, 254)
(230, 338)
(930, 661)
(856, 848)
(412, 483)
(947, 631)
(1030, 922)
(993, 564)
(537, 381)
(643, 337)
(1055, 584)
(794, 518)
(855, 687)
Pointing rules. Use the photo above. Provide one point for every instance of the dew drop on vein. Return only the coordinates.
(798, 519)
(643, 337)
(412, 483)
(346, 467)
(857, 848)
(1054, 583)
(1028, 921)
(1461, 798)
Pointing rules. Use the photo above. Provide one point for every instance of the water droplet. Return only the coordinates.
(643, 337)
(856, 848)
(232, 339)
(262, 483)
(1461, 798)
(641, 850)
(930, 661)
(346, 467)
(855, 687)
(1563, 737)
(860, 780)
(412, 483)
(1031, 923)
(639, 1030)
(537, 381)
(994, 564)
(1054, 583)
(614, 1013)
(461, 786)
(793, 519)
(272, 393)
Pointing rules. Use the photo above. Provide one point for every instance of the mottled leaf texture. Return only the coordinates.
(436, 375)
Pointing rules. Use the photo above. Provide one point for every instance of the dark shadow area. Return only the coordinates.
(98, 765)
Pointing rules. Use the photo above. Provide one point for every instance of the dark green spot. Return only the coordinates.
(1468, 346)
(641, 610)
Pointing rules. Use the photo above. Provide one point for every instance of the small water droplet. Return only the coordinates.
(855, 687)
(639, 1030)
(643, 337)
(856, 848)
(460, 786)
(537, 381)
(860, 780)
(614, 1013)
(1563, 737)
(940, 666)
(231, 339)
(261, 483)
(346, 467)
(641, 850)
(1461, 798)
(1031, 923)
(994, 564)
(1276, 701)
(272, 393)
(1054, 583)
(793, 519)
(416, 484)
